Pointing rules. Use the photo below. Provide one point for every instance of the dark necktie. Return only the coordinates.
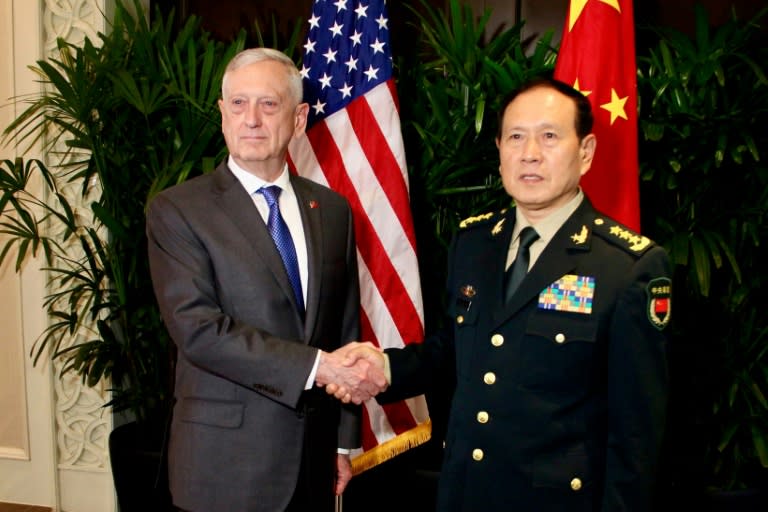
(519, 267)
(282, 237)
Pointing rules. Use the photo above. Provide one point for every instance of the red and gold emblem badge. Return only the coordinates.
(659, 302)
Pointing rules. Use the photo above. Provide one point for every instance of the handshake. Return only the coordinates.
(354, 372)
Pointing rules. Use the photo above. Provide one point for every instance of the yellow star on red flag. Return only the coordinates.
(616, 106)
(577, 6)
(597, 56)
(578, 88)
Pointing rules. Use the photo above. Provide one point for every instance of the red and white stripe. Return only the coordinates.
(358, 152)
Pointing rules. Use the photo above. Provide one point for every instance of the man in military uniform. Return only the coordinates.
(561, 382)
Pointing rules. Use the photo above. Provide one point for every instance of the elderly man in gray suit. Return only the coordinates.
(255, 273)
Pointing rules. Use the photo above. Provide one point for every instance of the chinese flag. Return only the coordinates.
(597, 57)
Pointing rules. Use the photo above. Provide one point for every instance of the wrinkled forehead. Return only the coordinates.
(264, 77)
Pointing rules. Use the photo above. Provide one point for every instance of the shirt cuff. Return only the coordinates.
(311, 379)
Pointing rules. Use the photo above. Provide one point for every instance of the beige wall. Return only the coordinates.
(27, 460)
(13, 420)
(13, 404)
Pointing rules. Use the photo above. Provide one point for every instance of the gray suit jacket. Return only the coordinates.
(241, 415)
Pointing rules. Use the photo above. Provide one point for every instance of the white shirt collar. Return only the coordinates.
(252, 183)
(547, 227)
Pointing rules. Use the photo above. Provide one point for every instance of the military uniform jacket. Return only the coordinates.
(560, 395)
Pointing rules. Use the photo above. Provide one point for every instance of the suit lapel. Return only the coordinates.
(313, 233)
(560, 257)
(238, 205)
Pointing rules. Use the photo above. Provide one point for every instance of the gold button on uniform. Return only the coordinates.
(560, 337)
(477, 454)
(459, 319)
(497, 340)
(482, 417)
(576, 484)
(489, 378)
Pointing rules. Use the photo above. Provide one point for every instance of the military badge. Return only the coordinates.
(497, 228)
(477, 218)
(635, 242)
(581, 237)
(465, 300)
(659, 292)
(570, 293)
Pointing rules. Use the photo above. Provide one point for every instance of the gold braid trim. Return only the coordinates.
(395, 446)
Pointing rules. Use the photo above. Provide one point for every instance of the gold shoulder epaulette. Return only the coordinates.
(622, 236)
(469, 221)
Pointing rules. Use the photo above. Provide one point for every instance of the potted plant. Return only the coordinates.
(121, 119)
(454, 83)
(703, 111)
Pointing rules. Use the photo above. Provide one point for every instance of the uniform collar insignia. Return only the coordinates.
(497, 228)
(580, 238)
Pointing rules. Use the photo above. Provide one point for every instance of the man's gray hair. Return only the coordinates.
(252, 55)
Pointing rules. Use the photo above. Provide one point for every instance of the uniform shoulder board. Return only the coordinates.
(622, 236)
(479, 220)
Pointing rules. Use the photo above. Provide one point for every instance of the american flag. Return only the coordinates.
(354, 145)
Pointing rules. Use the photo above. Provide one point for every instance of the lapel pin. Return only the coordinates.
(465, 301)
(313, 204)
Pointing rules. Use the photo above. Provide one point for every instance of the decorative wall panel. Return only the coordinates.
(82, 424)
(71, 20)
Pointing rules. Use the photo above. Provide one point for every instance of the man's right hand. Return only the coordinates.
(352, 373)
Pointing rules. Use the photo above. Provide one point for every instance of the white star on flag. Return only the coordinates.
(354, 145)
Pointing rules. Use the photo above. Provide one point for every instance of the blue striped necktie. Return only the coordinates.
(282, 237)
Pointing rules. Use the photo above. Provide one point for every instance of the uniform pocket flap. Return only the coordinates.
(562, 327)
(569, 471)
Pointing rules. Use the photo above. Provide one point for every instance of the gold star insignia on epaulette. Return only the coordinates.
(497, 228)
(580, 238)
(477, 218)
(636, 242)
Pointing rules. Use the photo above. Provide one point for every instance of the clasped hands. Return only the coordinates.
(352, 373)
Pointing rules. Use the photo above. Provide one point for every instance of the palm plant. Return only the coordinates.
(126, 118)
(454, 85)
(703, 109)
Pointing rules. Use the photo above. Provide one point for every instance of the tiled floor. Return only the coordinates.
(10, 507)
